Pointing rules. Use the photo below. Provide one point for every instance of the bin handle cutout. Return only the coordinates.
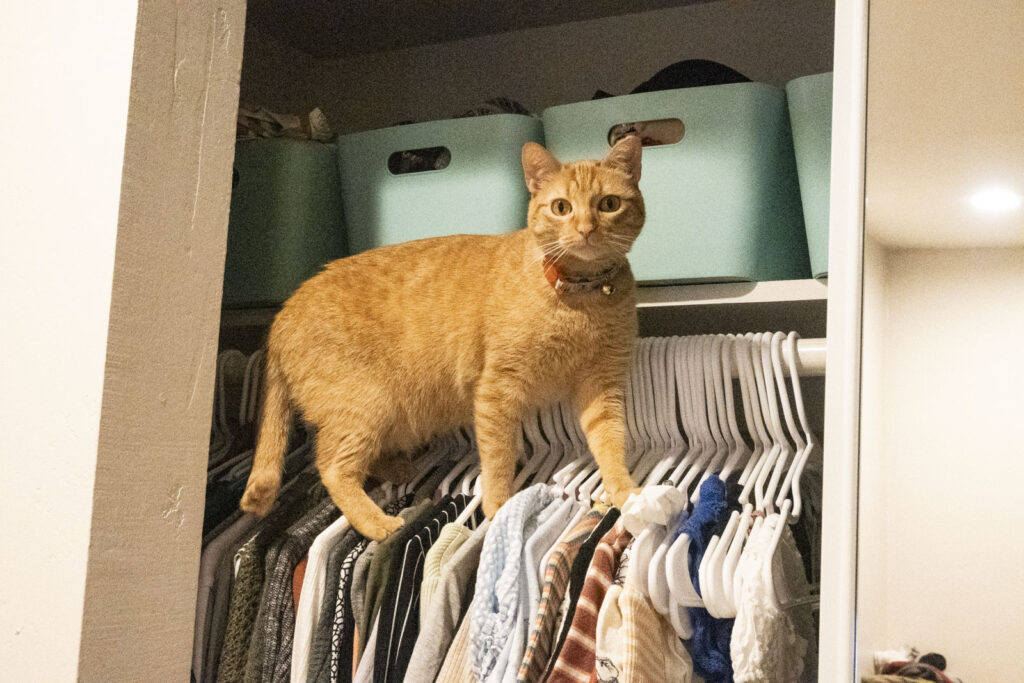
(652, 133)
(419, 160)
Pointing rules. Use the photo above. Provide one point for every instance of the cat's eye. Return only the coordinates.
(609, 203)
(561, 207)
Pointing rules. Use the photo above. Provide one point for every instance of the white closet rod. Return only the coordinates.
(810, 357)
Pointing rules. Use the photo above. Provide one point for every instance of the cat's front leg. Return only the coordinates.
(601, 406)
(497, 414)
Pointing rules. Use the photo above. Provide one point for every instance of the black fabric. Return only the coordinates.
(732, 497)
(399, 622)
(320, 649)
(577, 575)
(691, 73)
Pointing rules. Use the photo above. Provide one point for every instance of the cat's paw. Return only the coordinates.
(619, 497)
(492, 503)
(259, 496)
(378, 528)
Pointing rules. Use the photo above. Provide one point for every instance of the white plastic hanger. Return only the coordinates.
(761, 412)
(741, 451)
(698, 406)
(751, 405)
(812, 443)
(714, 392)
(794, 431)
(780, 399)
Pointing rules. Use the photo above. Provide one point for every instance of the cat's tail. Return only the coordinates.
(268, 462)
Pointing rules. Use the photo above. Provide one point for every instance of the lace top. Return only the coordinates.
(769, 643)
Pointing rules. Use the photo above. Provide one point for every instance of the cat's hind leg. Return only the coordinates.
(396, 468)
(343, 458)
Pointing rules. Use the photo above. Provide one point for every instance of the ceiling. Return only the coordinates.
(945, 123)
(343, 28)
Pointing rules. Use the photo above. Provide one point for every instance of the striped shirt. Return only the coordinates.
(576, 661)
(556, 580)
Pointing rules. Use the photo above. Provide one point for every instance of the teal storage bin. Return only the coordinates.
(723, 203)
(479, 190)
(810, 112)
(285, 222)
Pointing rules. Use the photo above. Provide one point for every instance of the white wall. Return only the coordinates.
(115, 168)
(940, 479)
(768, 41)
(872, 560)
(65, 71)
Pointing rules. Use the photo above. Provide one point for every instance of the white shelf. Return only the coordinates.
(736, 307)
(732, 293)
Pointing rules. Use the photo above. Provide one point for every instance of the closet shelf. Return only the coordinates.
(727, 293)
(736, 307)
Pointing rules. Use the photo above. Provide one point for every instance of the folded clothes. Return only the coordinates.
(263, 123)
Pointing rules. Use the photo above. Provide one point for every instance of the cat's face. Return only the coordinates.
(590, 210)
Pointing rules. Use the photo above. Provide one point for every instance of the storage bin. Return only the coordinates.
(286, 219)
(723, 202)
(810, 112)
(435, 178)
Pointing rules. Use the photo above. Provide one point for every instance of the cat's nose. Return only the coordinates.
(585, 230)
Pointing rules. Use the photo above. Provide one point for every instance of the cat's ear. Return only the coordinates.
(625, 156)
(538, 165)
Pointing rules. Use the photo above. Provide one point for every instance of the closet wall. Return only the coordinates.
(768, 41)
(939, 555)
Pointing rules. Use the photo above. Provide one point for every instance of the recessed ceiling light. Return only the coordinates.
(996, 200)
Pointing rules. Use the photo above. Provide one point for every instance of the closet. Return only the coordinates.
(431, 67)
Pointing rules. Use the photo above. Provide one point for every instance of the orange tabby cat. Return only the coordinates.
(384, 349)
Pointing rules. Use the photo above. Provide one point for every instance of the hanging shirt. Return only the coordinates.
(269, 659)
(399, 623)
(577, 657)
(448, 543)
(577, 576)
(769, 642)
(249, 577)
(446, 612)
(709, 646)
(496, 605)
(556, 580)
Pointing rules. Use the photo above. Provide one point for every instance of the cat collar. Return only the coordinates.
(563, 284)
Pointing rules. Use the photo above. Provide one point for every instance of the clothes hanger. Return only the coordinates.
(535, 449)
(741, 450)
(676, 558)
(678, 446)
(780, 397)
(812, 442)
(712, 562)
(664, 418)
(675, 569)
(657, 583)
(761, 412)
(715, 393)
(795, 435)
(699, 403)
(723, 559)
(575, 458)
(684, 381)
(748, 398)
(783, 448)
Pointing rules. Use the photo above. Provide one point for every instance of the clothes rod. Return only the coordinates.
(810, 357)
